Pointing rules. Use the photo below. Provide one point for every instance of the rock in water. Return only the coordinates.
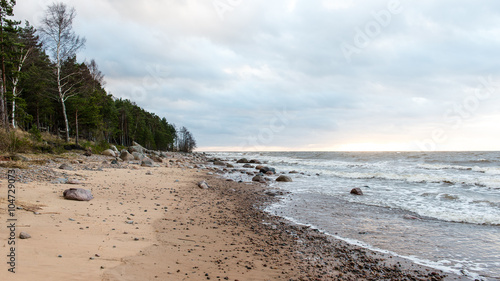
(79, 194)
(259, 178)
(265, 170)
(203, 185)
(242, 161)
(357, 191)
(24, 235)
(109, 152)
(284, 179)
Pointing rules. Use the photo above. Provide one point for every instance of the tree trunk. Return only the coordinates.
(76, 122)
(66, 123)
(14, 93)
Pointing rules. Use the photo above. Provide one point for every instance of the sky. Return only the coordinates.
(315, 75)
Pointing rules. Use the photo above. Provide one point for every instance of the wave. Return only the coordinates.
(485, 170)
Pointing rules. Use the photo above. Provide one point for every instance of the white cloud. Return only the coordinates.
(225, 78)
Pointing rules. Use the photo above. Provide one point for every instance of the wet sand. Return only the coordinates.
(157, 224)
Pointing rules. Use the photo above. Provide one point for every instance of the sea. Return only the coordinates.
(438, 209)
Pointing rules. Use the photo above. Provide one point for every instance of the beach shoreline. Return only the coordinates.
(157, 224)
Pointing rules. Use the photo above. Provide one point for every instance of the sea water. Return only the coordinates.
(440, 209)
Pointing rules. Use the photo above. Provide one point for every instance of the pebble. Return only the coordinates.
(24, 235)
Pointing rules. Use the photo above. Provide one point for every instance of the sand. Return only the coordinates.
(157, 224)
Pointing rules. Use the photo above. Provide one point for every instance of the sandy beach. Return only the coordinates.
(157, 224)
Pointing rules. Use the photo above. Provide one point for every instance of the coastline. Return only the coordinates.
(220, 233)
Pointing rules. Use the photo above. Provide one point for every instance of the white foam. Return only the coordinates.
(456, 268)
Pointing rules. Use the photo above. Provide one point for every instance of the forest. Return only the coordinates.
(44, 88)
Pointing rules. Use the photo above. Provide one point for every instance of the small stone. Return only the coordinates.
(357, 191)
(203, 185)
(130, 222)
(66, 167)
(24, 235)
(59, 256)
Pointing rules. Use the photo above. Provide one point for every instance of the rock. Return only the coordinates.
(357, 191)
(230, 165)
(88, 152)
(219, 163)
(79, 194)
(146, 162)
(24, 235)
(284, 178)
(136, 148)
(114, 162)
(136, 144)
(259, 178)
(267, 169)
(163, 154)
(293, 172)
(60, 180)
(125, 156)
(247, 166)
(73, 181)
(157, 159)
(115, 150)
(254, 161)
(258, 167)
(243, 161)
(66, 167)
(138, 156)
(203, 185)
(109, 152)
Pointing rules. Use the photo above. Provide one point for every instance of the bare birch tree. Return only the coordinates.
(62, 43)
(22, 51)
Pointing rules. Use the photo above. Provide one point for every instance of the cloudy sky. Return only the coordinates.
(303, 75)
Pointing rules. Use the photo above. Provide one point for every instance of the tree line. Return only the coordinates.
(43, 86)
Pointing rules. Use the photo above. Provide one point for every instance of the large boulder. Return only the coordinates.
(109, 152)
(125, 156)
(284, 178)
(78, 194)
(136, 144)
(138, 156)
(136, 148)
